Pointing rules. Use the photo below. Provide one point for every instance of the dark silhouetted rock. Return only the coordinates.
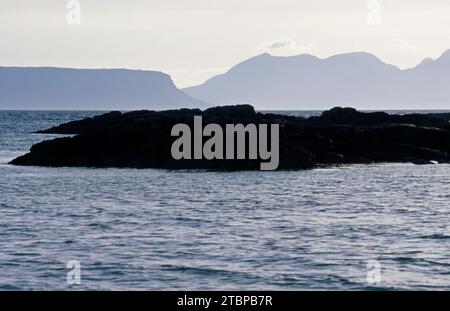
(142, 139)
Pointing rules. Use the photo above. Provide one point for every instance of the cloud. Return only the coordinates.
(279, 44)
(288, 46)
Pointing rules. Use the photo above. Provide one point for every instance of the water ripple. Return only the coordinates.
(157, 229)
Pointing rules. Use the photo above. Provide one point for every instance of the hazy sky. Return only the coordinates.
(193, 40)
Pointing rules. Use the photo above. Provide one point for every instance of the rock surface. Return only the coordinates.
(141, 139)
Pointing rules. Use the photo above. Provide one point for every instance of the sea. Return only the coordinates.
(356, 227)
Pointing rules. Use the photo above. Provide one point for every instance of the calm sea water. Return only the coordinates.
(157, 229)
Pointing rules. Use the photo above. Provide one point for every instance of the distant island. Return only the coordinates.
(301, 82)
(306, 82)
(142, 139)
(44, 88)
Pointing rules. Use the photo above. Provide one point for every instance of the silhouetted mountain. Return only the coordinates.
(91, 89)
(307, 82)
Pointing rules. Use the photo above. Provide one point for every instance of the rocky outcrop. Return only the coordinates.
(142, 139)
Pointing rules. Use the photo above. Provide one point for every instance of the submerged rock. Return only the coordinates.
(142, 139)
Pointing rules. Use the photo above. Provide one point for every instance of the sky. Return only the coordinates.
(193, 40)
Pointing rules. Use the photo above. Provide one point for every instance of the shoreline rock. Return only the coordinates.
(141, 139)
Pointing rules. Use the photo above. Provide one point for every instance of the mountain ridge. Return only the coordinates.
(90, 89)
(304, 81)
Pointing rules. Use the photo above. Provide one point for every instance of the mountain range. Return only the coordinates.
(89, 89)
(359, 80)
(302, 82)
